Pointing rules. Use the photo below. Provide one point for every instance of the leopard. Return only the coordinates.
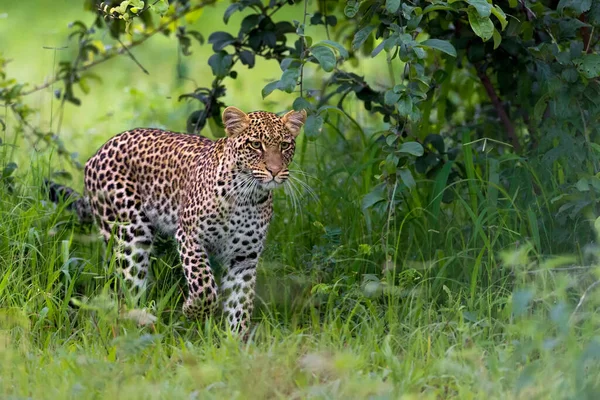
(215, 197)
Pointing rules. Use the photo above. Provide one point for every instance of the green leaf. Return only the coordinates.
(589, 65)
(407, 178)
(220, 63)
(269, 88)
(578, 6)
(374, 196)
(247, 58)
(361, 36)
(582, 185)
(594, 14)
(220, 40)
(249, 22)
(405, 106)
(390, 98)
(497, 38)
(440, 185)
(289, 80)
(334, 45)
(392, 6)
(540, 107)
(230, 10)
(301, 104)
(351, 8)
(482, 26)
(378, 49)
(8, 170)
(324, 56)
(520, 301)
(497, 11)
(313, 126)
(161, 7)
(412, 148)
(391, 139)
(420, 53)
(289, 63)
(596, 147)
(196, 35)
(441, 45)
(437, 141)
(570, 75)
(436, 7)
(484, 9)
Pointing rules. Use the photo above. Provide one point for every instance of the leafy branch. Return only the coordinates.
(258, 36)
(123, 49)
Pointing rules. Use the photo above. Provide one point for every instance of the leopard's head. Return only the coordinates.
(263, 142)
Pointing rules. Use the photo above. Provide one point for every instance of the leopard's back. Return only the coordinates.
(148, 166)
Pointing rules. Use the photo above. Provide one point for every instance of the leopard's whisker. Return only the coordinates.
(293, 195)
(289, 195)
(248, 190)
(306, 187)
(236, 188)
(304, 174)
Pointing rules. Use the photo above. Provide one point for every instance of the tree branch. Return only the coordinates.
(508, 125)
(135, 60)
(586, 35)
(124, 49)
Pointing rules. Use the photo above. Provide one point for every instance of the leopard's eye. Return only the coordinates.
(256, 145)
(285, 145)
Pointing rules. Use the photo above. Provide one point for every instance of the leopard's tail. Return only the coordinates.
(75, 202)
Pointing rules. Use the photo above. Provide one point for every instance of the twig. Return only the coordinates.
(508, 125)
(325, 19)
(148, 6)
(528, 13)
(130, 54)
(561, 269)
(583, 296)
(303, 49)
(586, 35)
(123, 50)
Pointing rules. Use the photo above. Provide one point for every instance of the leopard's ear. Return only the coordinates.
(235, 121)
(294, 120)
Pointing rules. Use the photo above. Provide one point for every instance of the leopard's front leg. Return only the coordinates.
(202, 297)
(245, 245)
(237, 288)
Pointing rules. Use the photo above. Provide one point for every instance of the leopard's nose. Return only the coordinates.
(274, 170)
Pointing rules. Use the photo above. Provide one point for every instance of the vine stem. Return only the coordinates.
(303, 49)
(122, 50)
(497, 103)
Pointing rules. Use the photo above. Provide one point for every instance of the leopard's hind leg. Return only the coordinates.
(120, 217)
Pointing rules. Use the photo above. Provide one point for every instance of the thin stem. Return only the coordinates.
(325, 20)
(130, 54)
(303, 49)
(508, 125)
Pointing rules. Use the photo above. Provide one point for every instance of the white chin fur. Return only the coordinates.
(272, 184)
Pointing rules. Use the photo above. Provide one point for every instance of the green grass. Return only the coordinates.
(428, 300)
(348, 307)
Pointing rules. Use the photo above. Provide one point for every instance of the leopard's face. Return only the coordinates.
(264, 143)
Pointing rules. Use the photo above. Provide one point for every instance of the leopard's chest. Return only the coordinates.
(235, 229)
(221, 225)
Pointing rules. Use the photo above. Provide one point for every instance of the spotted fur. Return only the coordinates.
(214, 196)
